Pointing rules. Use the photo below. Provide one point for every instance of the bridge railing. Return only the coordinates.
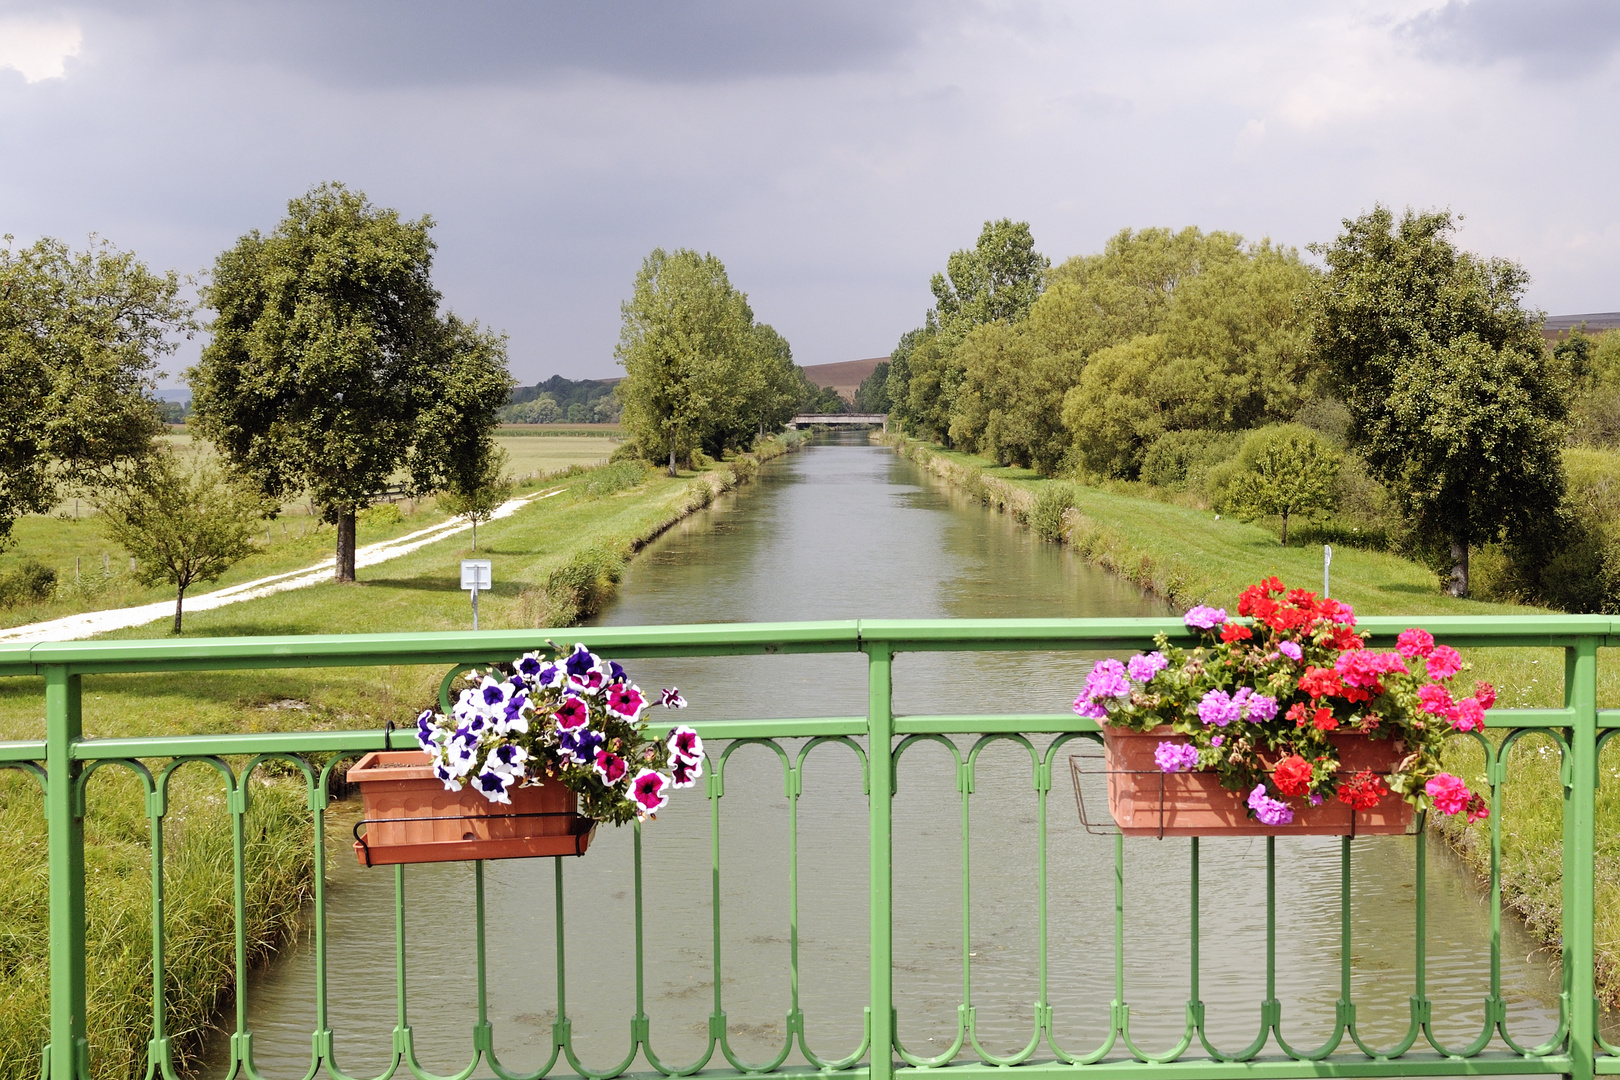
(64, 760)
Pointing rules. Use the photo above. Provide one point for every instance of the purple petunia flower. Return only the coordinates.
(571, 712)
(529, 665)
(1260, 708)
(1269, 811)
(671, 698)
(1143, 666)
(1175, 757)
(1218, 709)
(492, 785)
(611, 767)
(624, 700)
(1204, 618)
(581, 745)
(684, 774)
(1291, 650)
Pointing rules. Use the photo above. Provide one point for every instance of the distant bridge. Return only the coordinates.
(856, 419)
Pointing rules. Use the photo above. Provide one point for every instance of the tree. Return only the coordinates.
(184, 525)
(872, 396)
(1455, 402)
(477, 496)
(775, 396)
(1292, 472)
(685, 344)
(330, 367)
(80, 337)
(997, 279)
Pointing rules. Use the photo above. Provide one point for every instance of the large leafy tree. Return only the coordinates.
(693, 363)
(1455, 401)
(330, 366)
(80, 338)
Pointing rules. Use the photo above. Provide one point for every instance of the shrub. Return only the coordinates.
(1046, 517)
(617, 476)
(30, 582)
(380, 516)
(1180, 460)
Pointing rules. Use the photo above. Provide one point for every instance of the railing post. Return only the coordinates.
(69, 1052)
(880, 752)
(1580, 853)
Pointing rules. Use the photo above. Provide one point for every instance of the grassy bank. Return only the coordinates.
(553, 562)
(1190, 556)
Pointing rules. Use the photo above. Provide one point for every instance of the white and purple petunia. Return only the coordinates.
(492, 785)
(507, 758)
(650, 790)
(585, 671)
(684, 745)
(625, 701)
(671, 698)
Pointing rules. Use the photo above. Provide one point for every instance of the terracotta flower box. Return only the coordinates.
(1146, 801)
(411, 818)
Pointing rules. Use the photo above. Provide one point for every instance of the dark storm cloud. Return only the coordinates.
(1551, 38)
(422, 42)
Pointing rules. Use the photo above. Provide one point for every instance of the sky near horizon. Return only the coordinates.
(832, 153)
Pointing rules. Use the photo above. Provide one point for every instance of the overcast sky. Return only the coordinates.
(832, 153)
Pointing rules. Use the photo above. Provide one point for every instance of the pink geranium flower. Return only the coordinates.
(1449, 793)
(1444, 662)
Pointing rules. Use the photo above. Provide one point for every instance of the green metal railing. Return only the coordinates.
(64, 761)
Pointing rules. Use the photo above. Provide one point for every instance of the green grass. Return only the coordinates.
(552, 561)
(1190, 556)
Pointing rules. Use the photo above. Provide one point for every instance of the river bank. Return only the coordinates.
(558, 558)
(1190, 556)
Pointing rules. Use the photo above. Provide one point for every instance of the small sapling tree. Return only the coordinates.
(477, 495)
(1292, 473)
(184, 524)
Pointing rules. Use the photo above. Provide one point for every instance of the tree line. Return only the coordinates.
(1402, 383)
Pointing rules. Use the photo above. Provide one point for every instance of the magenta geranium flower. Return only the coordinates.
(1444, 662)
(1414, 644)
(1449, 793)
(1175, 757)
(650, 790)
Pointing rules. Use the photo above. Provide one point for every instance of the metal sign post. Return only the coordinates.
(475, 575)
(1327, 561)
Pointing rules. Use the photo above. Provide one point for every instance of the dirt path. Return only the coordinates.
(89, 623)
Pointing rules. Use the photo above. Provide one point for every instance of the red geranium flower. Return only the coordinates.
(1362, 791)
(1233, 632)
(1324, 720)
(1320, 682)
(1292, 775)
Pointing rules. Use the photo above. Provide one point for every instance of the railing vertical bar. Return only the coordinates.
(482, 972)
(1344, 929)
(717, 1017)
(68, 1052)
(962, 784)
(1194, 1003)
(317, 802)
(1119, 927)
(159, 1003)
(796, 1018)
(238, 804)
(560, 1029)
(1580, 853)
(639, 1025)
(401, 1019)
(880, 750)
(1043, 788)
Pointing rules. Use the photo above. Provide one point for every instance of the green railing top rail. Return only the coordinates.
(722, 639)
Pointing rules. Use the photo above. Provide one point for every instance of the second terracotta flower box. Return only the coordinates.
(410, 817)
(1145, 801)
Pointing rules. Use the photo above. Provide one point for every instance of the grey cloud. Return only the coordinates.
(394, 43)
(1552, 38)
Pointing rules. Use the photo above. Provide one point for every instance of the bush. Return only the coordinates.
(380, 516)
(1179, 460)
(1339, 535)
(30, 582)
(1052, 503)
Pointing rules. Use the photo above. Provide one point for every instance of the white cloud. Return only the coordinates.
(38, 50)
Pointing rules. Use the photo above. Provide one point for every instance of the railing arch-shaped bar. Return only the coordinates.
(64, 761)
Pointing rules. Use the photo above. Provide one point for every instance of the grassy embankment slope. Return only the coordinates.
(552, 562)
(92, 573)
(1190, 557)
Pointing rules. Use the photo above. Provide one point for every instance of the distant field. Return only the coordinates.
(530, 455)
(598, 431)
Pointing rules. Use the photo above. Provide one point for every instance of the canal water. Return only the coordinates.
(845, 530)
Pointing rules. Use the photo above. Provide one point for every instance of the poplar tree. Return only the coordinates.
(330, 367)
